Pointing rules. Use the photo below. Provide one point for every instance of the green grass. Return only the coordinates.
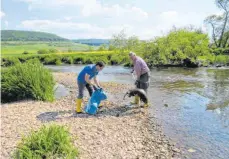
(109, 57)
(15, 48)
(30, 80)
(52, 141)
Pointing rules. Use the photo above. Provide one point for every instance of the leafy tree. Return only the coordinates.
(220, 24)
(102, 47)
(119, 41)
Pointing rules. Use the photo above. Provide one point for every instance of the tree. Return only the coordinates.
(225, 41)
(119, 41)
(111, 47)
(102, 47)
(132, 42)
(90, 48)
(178, 45)
(219, 23)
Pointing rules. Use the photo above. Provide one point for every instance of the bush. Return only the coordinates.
(49, 142)
(217, 51)
(42, 51)
(88, 61)
(68, 60)
(226, 51)
(25, 52)
(29, 80)
(118, 59)
(52, 60)
(53, 50)
(222, 59)
(102, 47)
(77, 60)
(58, 62)
(11, 61)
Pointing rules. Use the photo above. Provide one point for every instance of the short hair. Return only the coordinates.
(132, 54)
(100, 64)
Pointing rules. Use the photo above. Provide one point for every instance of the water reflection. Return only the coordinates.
(197, 114)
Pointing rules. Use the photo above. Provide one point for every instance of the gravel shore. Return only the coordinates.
(117, 131)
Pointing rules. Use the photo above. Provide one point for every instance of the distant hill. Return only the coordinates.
(16, 35)
(94, 42)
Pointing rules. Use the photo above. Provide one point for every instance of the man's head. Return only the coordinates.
(132, 56)
(99, 66)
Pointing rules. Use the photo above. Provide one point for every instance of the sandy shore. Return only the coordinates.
(115, 132)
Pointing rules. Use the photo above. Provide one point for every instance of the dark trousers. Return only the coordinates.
(81, 89)
(143, 82)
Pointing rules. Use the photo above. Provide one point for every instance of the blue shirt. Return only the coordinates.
(90, 70)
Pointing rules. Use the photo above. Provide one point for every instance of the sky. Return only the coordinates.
(74, 19)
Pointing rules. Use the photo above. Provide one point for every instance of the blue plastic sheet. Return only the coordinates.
(96, 98)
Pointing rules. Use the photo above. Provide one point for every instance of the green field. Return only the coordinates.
(15, 47)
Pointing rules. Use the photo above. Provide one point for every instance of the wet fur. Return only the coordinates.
(140, 92)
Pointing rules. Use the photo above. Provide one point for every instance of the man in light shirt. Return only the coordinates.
(142, 72)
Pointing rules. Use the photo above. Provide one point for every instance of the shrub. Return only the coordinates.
(52, 60)
(68, 60)
(11, 61)
(226, 51)
(25, 52)
(118, 59)
(58, 62)
(29, 80)
(88, 61)
(42, 51)
(77, 60)
(49, 142)
(222, 59)
(53, 50)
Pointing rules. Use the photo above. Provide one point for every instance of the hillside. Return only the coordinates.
(94, 42)
(16, 35)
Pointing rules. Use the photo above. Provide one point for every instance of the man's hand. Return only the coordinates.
(137, 83)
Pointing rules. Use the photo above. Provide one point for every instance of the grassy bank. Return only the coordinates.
(108, 57)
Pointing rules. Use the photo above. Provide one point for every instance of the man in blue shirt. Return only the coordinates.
(85, 80)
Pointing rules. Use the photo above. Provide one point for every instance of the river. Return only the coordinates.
(192, 105)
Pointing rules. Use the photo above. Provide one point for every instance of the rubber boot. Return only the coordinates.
(78, 105)
(101, 104)
(146, 104)
(136, 100)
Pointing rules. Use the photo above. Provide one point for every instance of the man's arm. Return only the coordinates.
(96, 81)
(137, 69)
(87, 79)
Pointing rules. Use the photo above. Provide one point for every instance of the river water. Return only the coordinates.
(192, 105)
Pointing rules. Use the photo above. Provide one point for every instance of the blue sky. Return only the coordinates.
(102, 18)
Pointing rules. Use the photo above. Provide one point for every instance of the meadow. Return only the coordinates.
(19, 47)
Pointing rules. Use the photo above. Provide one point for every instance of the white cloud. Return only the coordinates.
(169, 16)
(68, 18)
(169, 19)
(2, 14)
(6, 24)
(91, 8)
(73, 30)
